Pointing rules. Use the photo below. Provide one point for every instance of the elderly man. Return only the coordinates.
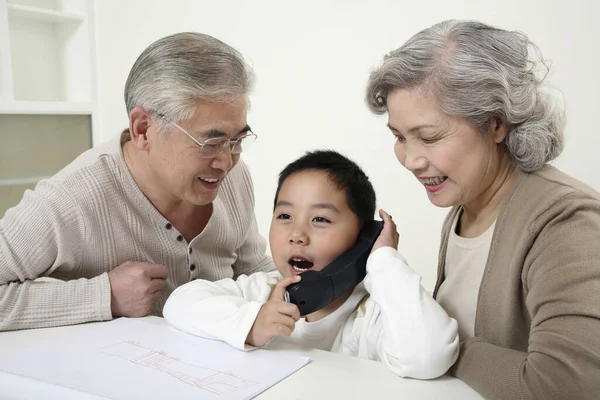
(126, 223)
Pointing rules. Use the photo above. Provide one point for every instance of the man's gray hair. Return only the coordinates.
(175, 72)
(481, 73)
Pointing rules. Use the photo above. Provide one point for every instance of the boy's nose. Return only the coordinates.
(298, 237)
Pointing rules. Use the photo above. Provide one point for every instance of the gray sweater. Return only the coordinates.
(90, 218)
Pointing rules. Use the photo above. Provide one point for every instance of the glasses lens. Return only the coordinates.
(244, 143)
(212, 147)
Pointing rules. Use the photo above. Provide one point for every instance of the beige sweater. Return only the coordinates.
(90, 218)
(537, 328)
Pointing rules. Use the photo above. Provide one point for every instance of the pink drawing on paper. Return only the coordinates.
(204, 378)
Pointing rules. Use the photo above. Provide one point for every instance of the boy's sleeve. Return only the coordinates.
(223, 310)
(407, 329)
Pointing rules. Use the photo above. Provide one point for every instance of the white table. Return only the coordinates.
(328, 376)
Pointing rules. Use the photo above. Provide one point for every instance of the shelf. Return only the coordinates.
(21, 181)
(45, 107)
(47, 90)
(42, 14)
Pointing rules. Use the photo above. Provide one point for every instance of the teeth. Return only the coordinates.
(210, 180)
(434, 181)
(299, 269)
(296, 262)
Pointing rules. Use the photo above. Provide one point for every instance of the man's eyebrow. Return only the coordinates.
(217, 133)
(213, 133)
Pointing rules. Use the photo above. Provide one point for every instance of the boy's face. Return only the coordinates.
(312, 224)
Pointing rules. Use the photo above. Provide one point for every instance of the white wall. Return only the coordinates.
(312, 59)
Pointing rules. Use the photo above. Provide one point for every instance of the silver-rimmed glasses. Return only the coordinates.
(214, 146)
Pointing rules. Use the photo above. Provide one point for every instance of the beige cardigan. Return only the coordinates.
(537, 327)
(92, 217)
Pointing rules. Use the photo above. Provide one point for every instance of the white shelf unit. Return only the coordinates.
(47, 88)
(42, 14)
(32, 180)
(46, 107)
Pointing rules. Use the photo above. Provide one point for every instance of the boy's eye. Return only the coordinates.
(321, 219)
(284, 216)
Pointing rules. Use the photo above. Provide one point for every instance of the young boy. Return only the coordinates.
(322, 201)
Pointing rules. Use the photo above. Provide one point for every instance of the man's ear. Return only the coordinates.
(140, 121)
(498, 130)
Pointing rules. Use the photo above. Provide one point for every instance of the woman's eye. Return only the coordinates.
(321, 219)
(429, 140)
(284, 216)
(399, 138)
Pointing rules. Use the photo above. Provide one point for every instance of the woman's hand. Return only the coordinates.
(389, 235)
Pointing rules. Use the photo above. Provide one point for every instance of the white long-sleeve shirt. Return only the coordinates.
(389, 317)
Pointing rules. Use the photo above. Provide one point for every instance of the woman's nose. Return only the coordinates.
(412, 158)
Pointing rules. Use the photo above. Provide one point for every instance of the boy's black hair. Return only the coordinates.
(344, 173)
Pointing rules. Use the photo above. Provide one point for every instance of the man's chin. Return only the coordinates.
(203, 199)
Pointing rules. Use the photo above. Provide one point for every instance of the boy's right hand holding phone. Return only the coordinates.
(276, 317)
(389, 235)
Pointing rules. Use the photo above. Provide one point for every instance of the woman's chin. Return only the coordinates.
(439, 200)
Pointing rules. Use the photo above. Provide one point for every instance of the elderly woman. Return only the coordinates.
(126, 223)
(519, 262)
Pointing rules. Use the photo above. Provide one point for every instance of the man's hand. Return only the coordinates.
(276, 317)
(134, 287)
(389, 234)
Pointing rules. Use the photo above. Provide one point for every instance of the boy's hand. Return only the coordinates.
(389, 235)
(276, 317)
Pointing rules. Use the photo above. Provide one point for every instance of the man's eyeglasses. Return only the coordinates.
(214, 146)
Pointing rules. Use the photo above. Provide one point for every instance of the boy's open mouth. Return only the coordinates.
(300, 264)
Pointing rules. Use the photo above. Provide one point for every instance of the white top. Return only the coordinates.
(90, 218)
(389, 318)
(465, 264)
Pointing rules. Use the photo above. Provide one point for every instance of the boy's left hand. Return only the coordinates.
(389, 235)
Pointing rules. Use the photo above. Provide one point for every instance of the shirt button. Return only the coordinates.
(179, 238)
(192, 267)
(168, 226)
(190, 250)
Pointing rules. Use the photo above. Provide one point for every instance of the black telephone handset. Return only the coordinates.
(318, 289)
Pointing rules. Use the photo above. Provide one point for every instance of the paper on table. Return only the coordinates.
(129, 359)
